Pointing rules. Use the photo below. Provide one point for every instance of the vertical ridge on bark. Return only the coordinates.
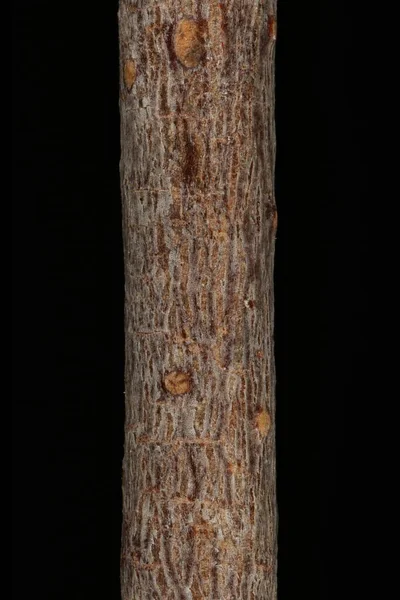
(199, 221)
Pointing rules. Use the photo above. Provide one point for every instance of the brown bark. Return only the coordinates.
(199, 218)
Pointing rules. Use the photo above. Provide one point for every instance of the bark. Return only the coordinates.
(199, 219)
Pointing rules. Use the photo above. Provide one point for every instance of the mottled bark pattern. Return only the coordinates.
(197, 165)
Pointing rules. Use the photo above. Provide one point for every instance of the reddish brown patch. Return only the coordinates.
(271, 24)
(129, 74)
(152, 490)
(275, 221)
(162, 250)
(264, 567)
(189, 43)
(263, 422)
(203, 529)
(178, 382)
(251, 515)
(232, 468)
(190, 156)
(224, 20)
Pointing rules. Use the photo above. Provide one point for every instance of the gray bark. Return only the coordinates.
(199, 219)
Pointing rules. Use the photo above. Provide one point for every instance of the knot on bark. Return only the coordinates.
(189, 43)
(178, 382)
(129, 74)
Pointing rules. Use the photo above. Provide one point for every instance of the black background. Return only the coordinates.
(68, 298)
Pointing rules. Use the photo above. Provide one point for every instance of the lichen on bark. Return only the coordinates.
(199, 223)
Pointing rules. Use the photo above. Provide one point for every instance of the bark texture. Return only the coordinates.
(199, 218)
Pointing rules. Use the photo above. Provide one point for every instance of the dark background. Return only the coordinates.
(68, 299)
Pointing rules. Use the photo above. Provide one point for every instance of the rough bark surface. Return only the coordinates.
(199, 218)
